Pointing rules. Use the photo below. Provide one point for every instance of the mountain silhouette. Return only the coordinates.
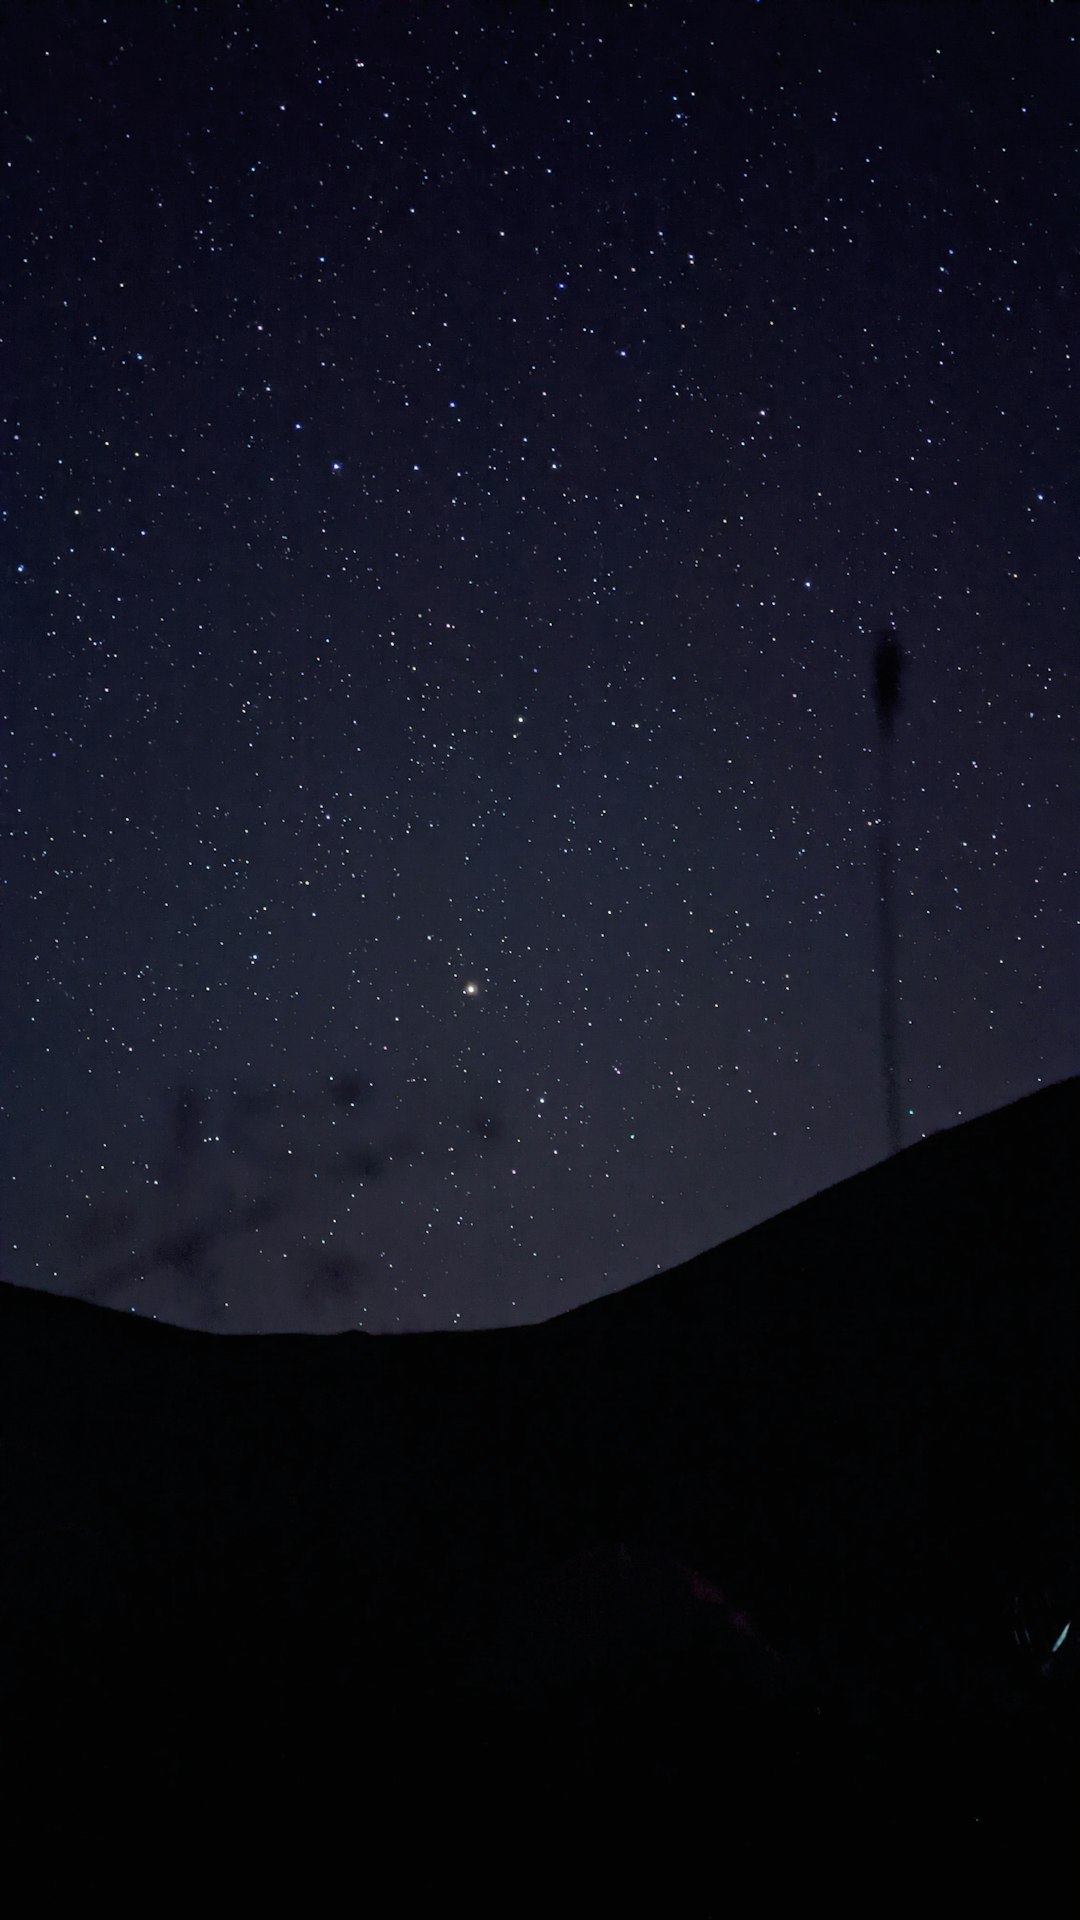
(799, 1508)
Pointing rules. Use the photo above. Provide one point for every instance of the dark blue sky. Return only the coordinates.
(457, 459)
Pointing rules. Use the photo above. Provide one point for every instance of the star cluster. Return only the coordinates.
(457, 463)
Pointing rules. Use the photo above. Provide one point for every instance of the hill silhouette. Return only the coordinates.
(799, 1508)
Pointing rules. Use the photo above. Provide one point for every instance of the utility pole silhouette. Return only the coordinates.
(888, 667)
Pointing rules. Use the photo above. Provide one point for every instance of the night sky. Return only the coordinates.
(458, 460)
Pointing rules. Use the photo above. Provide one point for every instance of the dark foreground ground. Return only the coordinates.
(760, 1561)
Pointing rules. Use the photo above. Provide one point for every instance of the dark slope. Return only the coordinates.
(784, 1499)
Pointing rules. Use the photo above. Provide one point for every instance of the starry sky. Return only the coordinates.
(457, 460)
